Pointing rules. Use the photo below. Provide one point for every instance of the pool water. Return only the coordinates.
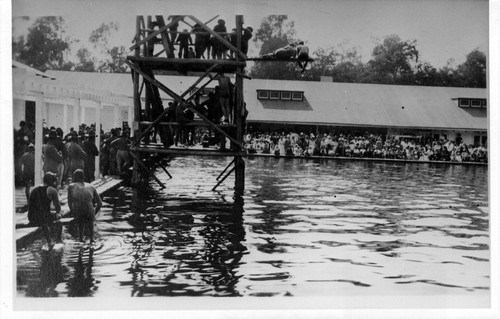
(303, 228)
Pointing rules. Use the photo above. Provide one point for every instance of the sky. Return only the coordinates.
(443, 29)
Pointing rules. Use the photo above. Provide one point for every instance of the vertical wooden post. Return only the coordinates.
(98, 139)
(130, 116)
(38, 137)
(76, 111)
(137, 99)
(239, 162)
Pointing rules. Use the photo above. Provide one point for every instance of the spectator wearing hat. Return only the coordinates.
(91, 152)
(76, 155)
(201, 41)
(27, 162)
(52, 158)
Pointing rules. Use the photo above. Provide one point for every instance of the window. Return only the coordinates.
(464, 103)
(475, 103)
(274, 95)
(286, 95)
(263, 95)
(297, 96)
(280, 95)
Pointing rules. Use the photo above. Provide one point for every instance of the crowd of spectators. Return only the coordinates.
(365, 146)
(65, 152)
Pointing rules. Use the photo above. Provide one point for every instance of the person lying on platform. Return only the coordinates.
(84, 203)
(285, 53)
(39, 213)
(302, 56)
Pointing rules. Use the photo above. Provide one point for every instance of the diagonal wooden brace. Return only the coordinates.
(182, 101)
(158, 120)
(154, 34)
(146, 169)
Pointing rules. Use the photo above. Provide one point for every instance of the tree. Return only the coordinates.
(44, 46)
(392, 61)
(108, 59)
(85, 61)
(473, 70)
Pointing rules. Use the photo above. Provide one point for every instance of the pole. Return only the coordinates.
(38, 137)
(98, 139)
(76, 110)
(239, 164)
(137, 99)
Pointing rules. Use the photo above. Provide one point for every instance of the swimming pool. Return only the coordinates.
(304, 228)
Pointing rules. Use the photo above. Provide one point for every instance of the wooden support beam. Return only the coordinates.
(182, 101)
(194, 123)
(225, 169)
(222, 180)
(162, 115)
(154, 34)
(218, 37)
(164, 169)
(168, 46)
(184, 151)
(138, 161)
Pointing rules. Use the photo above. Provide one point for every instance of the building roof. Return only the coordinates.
(345, 104)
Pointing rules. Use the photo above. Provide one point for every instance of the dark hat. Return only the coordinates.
(250, 28)
(220, 21)
(91, 133)
(52, 134)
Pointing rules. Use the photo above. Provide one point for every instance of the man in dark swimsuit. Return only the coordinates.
(39, 214)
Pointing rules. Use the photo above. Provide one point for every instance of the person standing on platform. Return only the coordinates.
(247, 35)
(39, 214)
(27, 162)
(76, 155)
(52, 158)
(219, 47)
(91, 150)
(84, 203)
(201, 41)
(225, 87)
(184, 40)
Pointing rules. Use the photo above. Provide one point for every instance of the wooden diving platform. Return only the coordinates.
(187, 65)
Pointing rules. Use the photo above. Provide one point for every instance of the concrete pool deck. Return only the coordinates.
(25, 234)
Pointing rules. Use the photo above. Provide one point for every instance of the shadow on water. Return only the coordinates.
(185, 247)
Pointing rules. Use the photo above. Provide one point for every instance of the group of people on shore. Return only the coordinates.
(366, 146)
(204, 42)
(67, 159)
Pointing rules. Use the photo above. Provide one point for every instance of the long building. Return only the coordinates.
(411, 111)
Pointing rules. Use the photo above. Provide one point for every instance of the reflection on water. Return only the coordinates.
(302, 228)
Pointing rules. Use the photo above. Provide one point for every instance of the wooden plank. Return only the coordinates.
(168, 46)
(186, 151)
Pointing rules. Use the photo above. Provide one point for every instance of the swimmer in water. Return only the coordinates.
(84, 203)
